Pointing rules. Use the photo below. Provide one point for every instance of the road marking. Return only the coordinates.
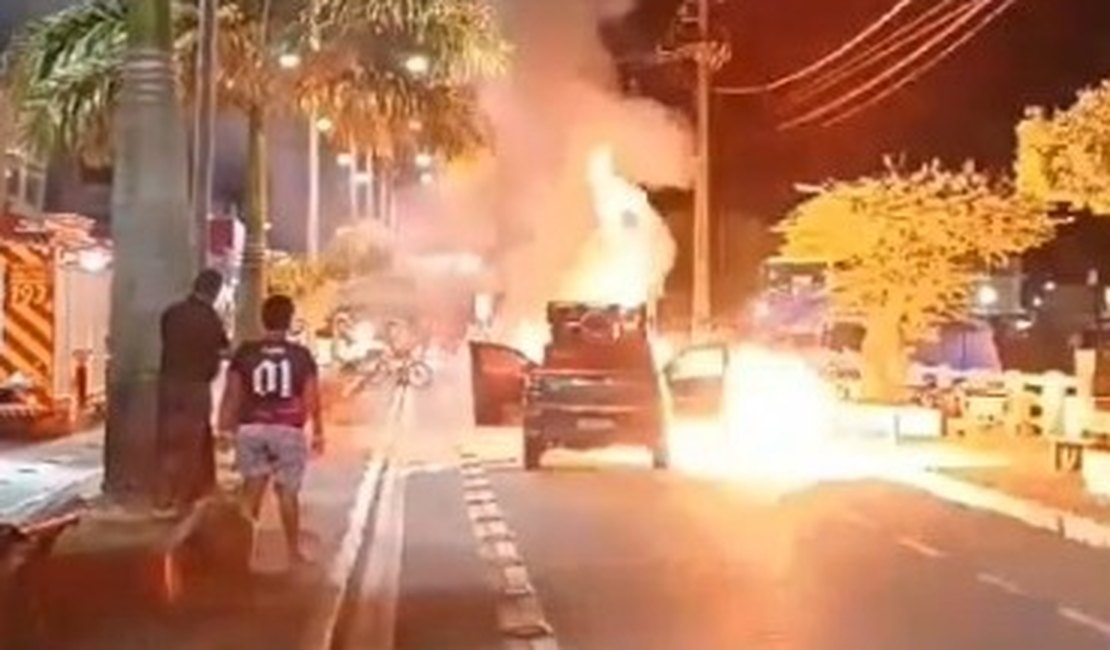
(321, 635)
(325, 623)
(375, 626)
(1086, 620)
(1082, 530)
(920, 548)
(519, 613)
(1000, 583)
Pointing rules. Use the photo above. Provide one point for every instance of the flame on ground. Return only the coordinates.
(776, 430)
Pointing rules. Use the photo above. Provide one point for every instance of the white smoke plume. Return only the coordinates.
(531, 206)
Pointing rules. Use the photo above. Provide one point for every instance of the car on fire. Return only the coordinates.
(598, 384)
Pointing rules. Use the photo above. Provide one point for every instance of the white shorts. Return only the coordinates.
(272, 450)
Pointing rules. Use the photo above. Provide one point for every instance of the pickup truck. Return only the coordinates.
(599, 384)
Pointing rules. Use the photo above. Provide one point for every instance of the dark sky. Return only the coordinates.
(1041, 52)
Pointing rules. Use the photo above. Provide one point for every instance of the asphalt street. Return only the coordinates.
(624, 557)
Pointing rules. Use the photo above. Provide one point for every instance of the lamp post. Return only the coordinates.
(204, 125)
(312, 239)
(702, 290)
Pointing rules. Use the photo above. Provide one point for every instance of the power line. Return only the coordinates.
(913, 31)
(862, 36)
(925, 66)
(893, 71)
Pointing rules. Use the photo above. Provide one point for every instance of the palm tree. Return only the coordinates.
(391, 113)
(151, 219)
(66, 82)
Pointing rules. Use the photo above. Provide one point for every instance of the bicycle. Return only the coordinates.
(377, 369)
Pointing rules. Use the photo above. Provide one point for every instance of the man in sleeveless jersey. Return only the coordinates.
(272, 394)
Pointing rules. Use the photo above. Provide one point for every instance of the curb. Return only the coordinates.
(322, 626)
(1068, 525)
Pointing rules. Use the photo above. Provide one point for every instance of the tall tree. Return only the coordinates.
(903, 251)
(1064, 156)
(66, 81)
(152, 233)
(385, 107)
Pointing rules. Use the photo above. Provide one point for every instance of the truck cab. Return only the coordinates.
(598, 384)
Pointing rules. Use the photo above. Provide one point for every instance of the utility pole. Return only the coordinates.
(312, 239)
(204, 126)
(702, 309)
(691, 40)
(152, 233)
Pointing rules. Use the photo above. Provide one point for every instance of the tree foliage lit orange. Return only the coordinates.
(1064, 156)
(904, 249)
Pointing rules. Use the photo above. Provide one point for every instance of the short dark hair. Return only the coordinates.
(277, 313)
(208, 283)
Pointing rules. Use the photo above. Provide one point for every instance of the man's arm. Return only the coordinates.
(230, 402)
(219, 334)
(313, 403)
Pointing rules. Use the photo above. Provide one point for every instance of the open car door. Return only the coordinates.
(497, 374)
(696, 379)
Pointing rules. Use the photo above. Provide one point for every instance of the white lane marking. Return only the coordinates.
(998, 582)
(921, 548)
(519, 613)
(380, 582)
(1086, 620)
(323, 626)
(321, 634)
(1070, 526)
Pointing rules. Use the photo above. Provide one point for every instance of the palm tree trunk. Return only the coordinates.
(153, 238)
(253, 281)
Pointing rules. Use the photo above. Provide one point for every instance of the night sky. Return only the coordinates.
(1040, 53)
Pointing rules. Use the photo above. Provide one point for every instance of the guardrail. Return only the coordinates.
(1044, 404)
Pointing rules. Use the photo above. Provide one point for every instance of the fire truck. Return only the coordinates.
(55, 292)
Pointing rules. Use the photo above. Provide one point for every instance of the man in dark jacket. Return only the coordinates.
(193, 342)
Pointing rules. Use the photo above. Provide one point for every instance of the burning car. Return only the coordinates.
(599, 384)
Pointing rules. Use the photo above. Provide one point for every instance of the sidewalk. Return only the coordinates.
(271, 608)
(1022, 467)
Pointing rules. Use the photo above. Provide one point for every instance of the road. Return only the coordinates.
(624, 557)
(598, 552)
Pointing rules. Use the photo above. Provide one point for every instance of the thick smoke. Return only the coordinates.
(529, 206)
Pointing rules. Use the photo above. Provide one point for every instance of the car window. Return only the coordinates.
(698, 363)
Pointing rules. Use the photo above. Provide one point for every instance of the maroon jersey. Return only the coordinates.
(273, 376)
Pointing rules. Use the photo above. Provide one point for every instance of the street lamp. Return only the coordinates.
(289, 60)
(427, 178)
(324, 125)
(423, 160)
(987, 296)
(345, 159)
(418, 64)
